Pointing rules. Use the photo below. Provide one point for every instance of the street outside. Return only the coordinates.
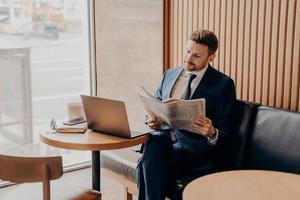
(59, 71)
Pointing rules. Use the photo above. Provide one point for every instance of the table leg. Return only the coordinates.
(96, 170)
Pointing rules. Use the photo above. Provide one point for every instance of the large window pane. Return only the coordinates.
(129, 49)
(44, 65)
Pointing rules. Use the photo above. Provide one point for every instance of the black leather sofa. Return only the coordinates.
(264, 138)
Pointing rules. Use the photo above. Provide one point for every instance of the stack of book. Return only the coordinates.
(77, 128)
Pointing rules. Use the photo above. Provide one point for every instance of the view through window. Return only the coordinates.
(129, 46)
(44, 65)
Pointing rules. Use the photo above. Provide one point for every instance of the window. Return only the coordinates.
(129, 49)
(45, 64)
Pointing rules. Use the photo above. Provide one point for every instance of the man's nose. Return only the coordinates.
(189, 56)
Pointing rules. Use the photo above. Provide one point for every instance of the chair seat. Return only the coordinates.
(59, 191)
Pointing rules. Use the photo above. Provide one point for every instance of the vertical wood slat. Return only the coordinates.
(295, 89)
(166, 37)
(258, 44)
(281, 54)
(211, 15)
(253, 49)
(201, 14)
(260, 53)
(222, 40)
(228, 35)
(180, 30)
(185, 12)
(217, 29)
(171, 35)
(274, 53)
(247, 29)
(175, 33)
(234, 39)
(288, 54)
(205, 11)
(213, 20)
(267, 52)
(195, 14)
(190, 16)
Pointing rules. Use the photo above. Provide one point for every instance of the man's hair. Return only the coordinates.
(206, 38)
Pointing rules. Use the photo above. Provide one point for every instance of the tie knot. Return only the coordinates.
(191, 78)
(187, 93)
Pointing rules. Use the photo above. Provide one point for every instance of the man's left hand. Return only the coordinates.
(204, 126)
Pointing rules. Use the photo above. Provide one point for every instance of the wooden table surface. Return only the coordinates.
(244, 185)
(89, 140)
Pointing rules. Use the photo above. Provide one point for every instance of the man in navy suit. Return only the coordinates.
(170, 153)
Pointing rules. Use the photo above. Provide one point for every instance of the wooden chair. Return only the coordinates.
(39, 169)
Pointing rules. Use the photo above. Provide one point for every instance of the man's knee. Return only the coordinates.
(158, 138)
(158, 143)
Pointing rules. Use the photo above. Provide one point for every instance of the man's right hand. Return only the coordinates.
(155, 123)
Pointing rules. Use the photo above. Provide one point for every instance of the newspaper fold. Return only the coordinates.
(177, 114)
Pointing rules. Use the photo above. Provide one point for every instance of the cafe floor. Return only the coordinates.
(110, 189)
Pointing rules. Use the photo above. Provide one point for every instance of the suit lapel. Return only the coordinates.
(202, 87)
(173, 81)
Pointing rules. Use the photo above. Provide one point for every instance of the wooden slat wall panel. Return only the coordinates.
(180, 30)
(260, 40)
(259, 44)
(267, 54)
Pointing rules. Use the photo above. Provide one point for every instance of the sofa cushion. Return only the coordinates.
(121, 161)
(275, 143)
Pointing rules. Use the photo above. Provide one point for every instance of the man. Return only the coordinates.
(170, 153)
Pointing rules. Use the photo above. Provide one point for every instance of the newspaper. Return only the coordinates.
(177, 114)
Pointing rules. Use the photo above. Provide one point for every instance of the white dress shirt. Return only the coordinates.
(182, 81)
(180, 86)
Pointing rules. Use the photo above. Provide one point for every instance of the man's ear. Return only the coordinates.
(211, 57)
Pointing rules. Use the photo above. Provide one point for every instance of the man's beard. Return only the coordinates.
(189, 66)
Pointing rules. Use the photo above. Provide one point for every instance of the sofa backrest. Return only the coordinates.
(275, 141)
(231, 155)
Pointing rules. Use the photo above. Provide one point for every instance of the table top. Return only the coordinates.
(246, 185)
(89, 140)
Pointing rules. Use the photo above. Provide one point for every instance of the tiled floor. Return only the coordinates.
(110, 189)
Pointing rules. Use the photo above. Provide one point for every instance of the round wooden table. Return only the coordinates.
(92, 141)
(246, 185)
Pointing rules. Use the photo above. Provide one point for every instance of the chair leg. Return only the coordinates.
(46, 182)
(127, 195)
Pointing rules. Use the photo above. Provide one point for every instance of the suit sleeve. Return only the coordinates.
(224, 112)
(159, 90)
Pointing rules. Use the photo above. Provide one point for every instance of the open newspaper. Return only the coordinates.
(177, 114)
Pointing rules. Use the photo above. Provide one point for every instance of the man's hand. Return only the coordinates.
(204, 126)
(155, 123)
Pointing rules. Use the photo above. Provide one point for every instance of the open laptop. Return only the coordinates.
(108, 116)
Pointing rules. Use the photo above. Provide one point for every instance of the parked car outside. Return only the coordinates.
(45, 29)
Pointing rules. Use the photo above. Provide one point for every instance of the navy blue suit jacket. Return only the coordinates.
(219, 91)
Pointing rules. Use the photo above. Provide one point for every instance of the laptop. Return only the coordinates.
(109, 116)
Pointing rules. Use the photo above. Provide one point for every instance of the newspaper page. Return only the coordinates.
(178, 114)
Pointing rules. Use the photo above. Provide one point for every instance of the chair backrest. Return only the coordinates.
(31, 169)
(231, 156)
(275, 141)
